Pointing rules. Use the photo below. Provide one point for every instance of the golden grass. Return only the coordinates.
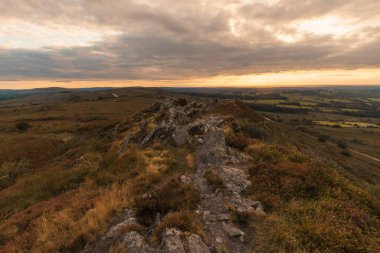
(62, 229)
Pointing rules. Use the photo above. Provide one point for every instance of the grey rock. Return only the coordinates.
(235, 179)
(233, 231)
(172, 242)
(196, 245)
(181, 136)
(135, 243)
(128, 139)
(128, 219)
(116, 230)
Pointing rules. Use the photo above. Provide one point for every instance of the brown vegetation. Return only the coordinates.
(169, 197)
(184, 221)
(213, 179)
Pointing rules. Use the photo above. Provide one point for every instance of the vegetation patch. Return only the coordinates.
(185, 221)
(169, 197)
(238, 141)
(213, 179)
(311, 207)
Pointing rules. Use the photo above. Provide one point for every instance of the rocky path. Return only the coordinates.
(206, 134)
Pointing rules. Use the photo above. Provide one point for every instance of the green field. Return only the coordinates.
(346, 124)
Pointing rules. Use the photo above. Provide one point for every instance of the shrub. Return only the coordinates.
(342, 144)
(9, 171)
(171, 196)
(213, 179)
(180, 102)
(237, 141)
(323, 138)
(132, 227)
(22, 126)
(255, 131)
(243, 218)
(345, 153)
(184, 221)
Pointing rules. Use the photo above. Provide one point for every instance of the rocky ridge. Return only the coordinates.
(180, 123)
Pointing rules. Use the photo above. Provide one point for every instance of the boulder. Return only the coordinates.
(135, 243)
(117, 230)
(180, 136)
(235, 179)
(196, 245)
(172, 242)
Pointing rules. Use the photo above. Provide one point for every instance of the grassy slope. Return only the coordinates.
(74, 193)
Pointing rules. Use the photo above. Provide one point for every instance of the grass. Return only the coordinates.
(45, 184)
(68, 183)
(295, 106)
(213, 179)
(266, 101)
(168, 197)
(65, 229)
(311, 207)
(346, 124)
(326, 225)
(237, 109)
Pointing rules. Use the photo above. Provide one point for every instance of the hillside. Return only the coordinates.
(152, 171)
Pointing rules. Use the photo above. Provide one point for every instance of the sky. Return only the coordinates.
(238, 43)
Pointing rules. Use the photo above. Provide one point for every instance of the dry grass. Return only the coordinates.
(314, 209)
(119, 248)
(213, 179)
(170, 196)
(238, 110)
(46, 183)
(274, 154)
(69, 227)
(326, 225)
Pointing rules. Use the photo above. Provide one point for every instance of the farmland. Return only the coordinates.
(340, 123)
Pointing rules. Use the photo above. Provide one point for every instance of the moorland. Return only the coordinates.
(234, 170)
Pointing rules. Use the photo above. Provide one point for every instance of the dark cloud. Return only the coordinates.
(166, 39)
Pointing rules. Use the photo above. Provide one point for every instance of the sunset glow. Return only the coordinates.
(201, 43)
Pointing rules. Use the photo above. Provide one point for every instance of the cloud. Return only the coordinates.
(164, 39)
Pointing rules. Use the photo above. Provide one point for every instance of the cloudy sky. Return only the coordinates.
(183, 42)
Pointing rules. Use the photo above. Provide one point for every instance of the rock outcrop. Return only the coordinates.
(189, 124)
